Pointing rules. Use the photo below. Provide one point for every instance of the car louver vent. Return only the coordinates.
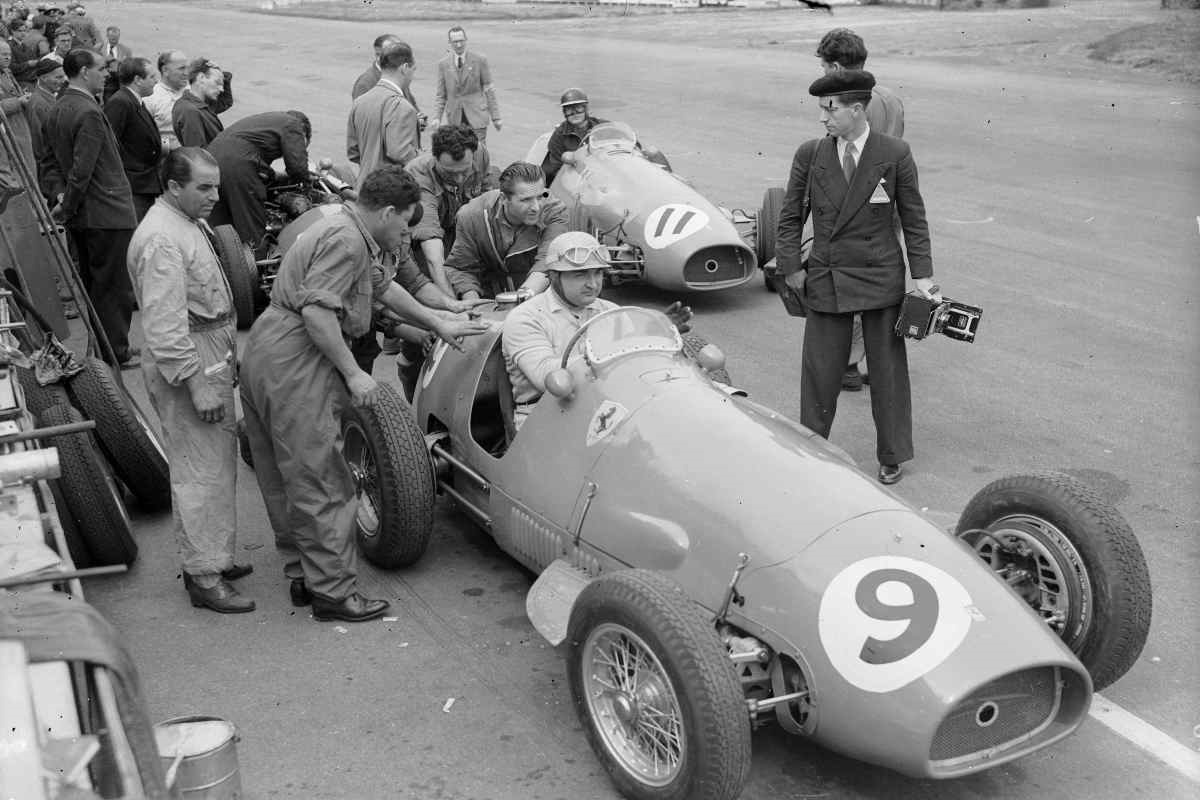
(1009, 708)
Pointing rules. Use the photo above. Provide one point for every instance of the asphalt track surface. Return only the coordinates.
(1062, 197)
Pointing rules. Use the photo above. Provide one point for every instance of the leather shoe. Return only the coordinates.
(237, 571)
(353, 608)
(222, 598)
(889, 473)
(300, 594)
(852, 380)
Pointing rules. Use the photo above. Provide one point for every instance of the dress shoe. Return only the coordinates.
(237, 571)
(222, 598)
(852, 380)
(300, 594)
(889, 473)
(353, 608)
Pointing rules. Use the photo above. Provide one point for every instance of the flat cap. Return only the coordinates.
(843, 81)
(45, 66)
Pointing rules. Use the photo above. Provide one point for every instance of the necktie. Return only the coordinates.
(849, 162)
(459, 62)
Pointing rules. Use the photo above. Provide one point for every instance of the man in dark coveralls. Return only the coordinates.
(245, 152)
(859, 179)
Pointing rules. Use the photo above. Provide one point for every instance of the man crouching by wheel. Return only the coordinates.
(299, 375)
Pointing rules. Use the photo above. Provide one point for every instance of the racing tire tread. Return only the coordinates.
(90, 493)
(231, 252)
(405, 477)
(124, 439)
(1118, 572)
(765, 235)
(38, 397)
(692, 346)
(711, 698)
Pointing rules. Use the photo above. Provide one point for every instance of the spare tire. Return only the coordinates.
(238, 261)
(90, 493)
(38, 397)
(394, 479)
(124, 433)
(692, 346)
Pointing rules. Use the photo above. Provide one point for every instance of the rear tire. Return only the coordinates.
(238, 261)
(1089, 578)
(655, 690)
(765, 226)
(394, 479)
(124, 434)
(90, 493)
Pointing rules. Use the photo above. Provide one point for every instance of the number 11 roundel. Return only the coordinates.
(888, 620)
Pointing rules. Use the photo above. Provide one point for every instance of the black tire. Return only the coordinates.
(395, 480)
(685, 675)
(765, 224)
(124, 434)
(692, 346)
(238, 261)
(90, 494)
(37, 397)
(1079, 541)
(248, 458)
(77, 547)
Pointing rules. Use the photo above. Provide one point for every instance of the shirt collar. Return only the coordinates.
(372, 246)
(858, 142)
(84, 92)
(396, 87)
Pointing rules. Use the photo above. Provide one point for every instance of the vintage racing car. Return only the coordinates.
(713, 566)
(659, 229)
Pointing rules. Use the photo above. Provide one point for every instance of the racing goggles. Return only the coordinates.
(575, 108)
(581, 257)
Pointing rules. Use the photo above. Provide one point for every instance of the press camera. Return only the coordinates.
(921, 316)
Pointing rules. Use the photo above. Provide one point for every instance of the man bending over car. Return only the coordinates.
(536, 332)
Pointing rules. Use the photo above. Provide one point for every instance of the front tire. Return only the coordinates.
(238, 261)
(1073, 558)
(655, 690)
(394, 479)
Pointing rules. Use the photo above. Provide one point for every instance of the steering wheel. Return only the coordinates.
(563, 362)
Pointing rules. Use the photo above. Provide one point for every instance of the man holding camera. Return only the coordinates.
(853, 181)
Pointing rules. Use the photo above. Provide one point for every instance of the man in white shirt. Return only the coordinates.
(173, 80)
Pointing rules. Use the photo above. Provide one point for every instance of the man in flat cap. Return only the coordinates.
(50, 82)
(852, 181)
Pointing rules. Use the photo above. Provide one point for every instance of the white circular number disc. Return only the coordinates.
(888, 620)
(669, 224)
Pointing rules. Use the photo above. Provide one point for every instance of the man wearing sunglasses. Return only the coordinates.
(501, 237)
(570, 133)
(536, 332)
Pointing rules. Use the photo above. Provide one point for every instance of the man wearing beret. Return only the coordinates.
(853, 181)
(50, 82)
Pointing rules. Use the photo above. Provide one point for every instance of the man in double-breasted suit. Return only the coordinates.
(136, 131)
(464, 94)
(858, 180)
(84, 172)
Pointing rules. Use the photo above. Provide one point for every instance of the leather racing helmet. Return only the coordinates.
(575, 251)
(573, 97)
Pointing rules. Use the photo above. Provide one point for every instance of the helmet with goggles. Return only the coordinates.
(576, 251)
(573, 97)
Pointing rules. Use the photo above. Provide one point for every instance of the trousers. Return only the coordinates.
(102, 268)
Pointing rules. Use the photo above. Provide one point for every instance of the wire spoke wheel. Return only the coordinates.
(364, 469)
(630, 695)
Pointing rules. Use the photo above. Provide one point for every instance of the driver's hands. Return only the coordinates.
(452, 331)
(680, 314)
(363, 388)
(929, 288)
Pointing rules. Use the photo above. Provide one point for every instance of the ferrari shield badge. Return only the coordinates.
(668, 224)
(605, 419)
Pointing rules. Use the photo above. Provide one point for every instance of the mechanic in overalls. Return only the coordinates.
(501, 237)
(299, 376)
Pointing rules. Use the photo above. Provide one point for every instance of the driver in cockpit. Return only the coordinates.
(569, 134)
(537, 331)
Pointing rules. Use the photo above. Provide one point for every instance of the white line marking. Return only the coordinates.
(969, 221)
(1154, 741)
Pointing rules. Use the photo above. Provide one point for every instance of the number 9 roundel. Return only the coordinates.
(888, 620)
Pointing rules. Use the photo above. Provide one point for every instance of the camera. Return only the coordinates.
(921, 316)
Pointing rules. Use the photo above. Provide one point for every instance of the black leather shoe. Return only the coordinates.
(300, 594)
(222, 598)
(354, 608)
(889, 473)
(237, 571)
(852, 380)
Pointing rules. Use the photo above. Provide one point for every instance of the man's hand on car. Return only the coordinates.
(465, 306)
(452, 331)
(680, 314)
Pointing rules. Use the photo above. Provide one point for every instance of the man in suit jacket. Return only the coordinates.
(860, 179)
(382, 126)
(464, 94)
(50, 81)
(842, 48)
(194, 115)
(371, 76)
(136, 132)
(85, 173)
(113, 47)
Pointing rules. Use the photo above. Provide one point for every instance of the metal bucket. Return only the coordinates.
(200, 757)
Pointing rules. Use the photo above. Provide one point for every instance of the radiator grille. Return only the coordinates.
(1006, 709)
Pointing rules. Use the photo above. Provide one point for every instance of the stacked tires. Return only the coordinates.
(121, 451)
